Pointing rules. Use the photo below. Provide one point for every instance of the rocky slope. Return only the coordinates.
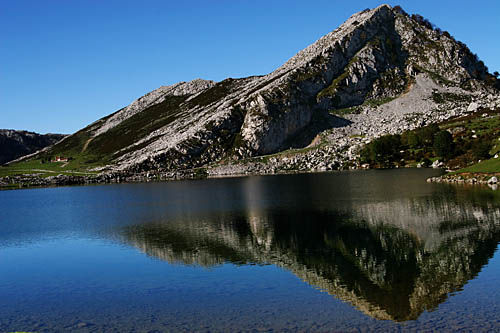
(373, 75)
(14, 144)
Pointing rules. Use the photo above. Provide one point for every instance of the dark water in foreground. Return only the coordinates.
(379, 250)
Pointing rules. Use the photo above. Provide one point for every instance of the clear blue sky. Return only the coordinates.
(67, 63)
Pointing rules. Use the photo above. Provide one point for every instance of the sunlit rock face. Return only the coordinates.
(392, 258)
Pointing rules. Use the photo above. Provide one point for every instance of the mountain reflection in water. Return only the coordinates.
(391, 253)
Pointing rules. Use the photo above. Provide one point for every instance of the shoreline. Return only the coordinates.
(30, 181)
(490, 179)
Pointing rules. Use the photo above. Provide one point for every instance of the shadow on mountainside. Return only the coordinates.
(321, 122)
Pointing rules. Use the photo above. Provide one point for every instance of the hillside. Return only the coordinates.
(14, 144)
(381, 72)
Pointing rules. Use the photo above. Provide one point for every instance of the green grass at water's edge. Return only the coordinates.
(488, 166)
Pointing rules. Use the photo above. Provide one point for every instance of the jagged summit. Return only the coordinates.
(323, 45)
(382, 61)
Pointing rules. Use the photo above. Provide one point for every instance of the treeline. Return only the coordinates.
(420, 146)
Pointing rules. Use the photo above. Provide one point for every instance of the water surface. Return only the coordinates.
(380, 249)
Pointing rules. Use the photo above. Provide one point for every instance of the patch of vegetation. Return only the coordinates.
(443, 144)
(345, 111)
(200, 173)
(209, 96)
(136, 127)
(311, 72)
(382, 151)
(440, 98)
(436, 77)
(459, 142)
(392, 81)
(378, 101)
(44, 169)
(331, 90)
(488, 166)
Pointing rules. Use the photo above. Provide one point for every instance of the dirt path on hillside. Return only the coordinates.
(86, 145)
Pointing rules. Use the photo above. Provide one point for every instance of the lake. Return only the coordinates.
(341, 251)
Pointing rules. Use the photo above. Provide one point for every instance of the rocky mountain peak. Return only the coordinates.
(378, 70)
(326, 44)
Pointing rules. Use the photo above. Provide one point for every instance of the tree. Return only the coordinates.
(383, 150)
(427, 133)
(411, 139)
(496, 74)
(443, 144)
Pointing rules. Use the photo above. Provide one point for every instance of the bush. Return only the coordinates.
(481, 150)
(426, 162)
(423, 21)
(443, 144)
(400, 10)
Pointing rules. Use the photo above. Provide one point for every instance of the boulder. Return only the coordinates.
(472, 107)
(493, 180)
(437, 164)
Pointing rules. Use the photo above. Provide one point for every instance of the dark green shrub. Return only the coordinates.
(411, 139)
(481, 150)
(443, 144)
(383, 150)
(426, 134)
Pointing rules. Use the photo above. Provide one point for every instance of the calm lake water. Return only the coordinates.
(365, 250)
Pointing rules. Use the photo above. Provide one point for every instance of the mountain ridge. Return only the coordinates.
(17, 143)
(381, 65)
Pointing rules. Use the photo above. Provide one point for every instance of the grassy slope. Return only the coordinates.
(488, 166)
(101, 149)
(86, 154)
(486, 129)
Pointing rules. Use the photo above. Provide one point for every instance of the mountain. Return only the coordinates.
(14, 144)
(375, 74)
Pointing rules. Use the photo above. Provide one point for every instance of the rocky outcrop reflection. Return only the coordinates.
(391, 259)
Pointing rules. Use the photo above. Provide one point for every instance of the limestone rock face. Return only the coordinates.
(376, 55)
